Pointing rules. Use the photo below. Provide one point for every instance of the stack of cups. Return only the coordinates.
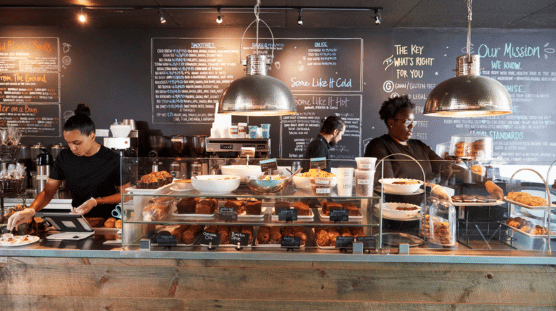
(364, 176)
(345, 181)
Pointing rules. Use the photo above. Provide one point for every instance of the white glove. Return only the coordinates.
(440, 192)
(85, 207)
(20, 217)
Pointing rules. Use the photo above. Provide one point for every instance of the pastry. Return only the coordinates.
(95, 221)
(118, 224)
(237, 205)
(187, 205)
(110, 223)
(253, 208)
(302, 209)
(327, 206)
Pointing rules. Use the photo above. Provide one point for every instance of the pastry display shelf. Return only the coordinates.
(547, 208)
(135, 227)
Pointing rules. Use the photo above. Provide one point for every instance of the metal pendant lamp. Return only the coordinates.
(468, 94)
(257, 94)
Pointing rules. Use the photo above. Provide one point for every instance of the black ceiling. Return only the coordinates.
(502, 14)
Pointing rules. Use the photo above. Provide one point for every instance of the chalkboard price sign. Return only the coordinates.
(238, 237)
(166, 240)
(339, 215)
(290, 241)
(344, 242)
(210, 238)
(227, 213)
(286, 214)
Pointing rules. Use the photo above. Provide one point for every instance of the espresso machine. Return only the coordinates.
(227, 151)
(44, 164)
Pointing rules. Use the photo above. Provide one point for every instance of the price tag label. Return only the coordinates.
(247, 152)
(339, 215)
(286, 214)
(344, 242)
(209, 237)
(236, 237)
(363, 181)
(318, 163)
(269, 165)
(368, 241)
(227, 213)
(166, 240)
(290, 241)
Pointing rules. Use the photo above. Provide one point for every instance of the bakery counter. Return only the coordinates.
(91, 275)
(105, 246)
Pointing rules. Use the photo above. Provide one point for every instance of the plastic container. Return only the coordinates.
(471, 146)
(365, 163)
(265, 131)
(233, 131)
(344, 172)
(443, 149)
(364, 182)
(252, 132)
(242, 130)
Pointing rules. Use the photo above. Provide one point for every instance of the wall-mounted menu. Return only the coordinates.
(299, 129)
(523, 64)
(190, 75)
(32, 119)
(314, 65)
(30, 74)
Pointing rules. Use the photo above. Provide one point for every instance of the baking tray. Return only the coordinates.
(498, 202)
(134, 190)
(356, 219)
(419, 191)
(526, 206)
(194, 216)
(552, 233)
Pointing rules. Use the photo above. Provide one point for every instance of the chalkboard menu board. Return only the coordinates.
(30, 85)
(299, 129)
(524, 64)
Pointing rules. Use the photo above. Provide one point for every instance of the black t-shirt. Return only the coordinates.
(385, 145)
(89, 177)
(317, 148)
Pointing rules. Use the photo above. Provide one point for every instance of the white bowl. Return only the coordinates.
(389, 210)
(389, 185)
(183, 185)
(215, 183)
(242, 171)
(305, 182)
(120, 130)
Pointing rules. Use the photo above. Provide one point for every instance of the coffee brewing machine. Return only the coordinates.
(227, 151)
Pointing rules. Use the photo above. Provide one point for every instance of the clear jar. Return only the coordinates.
(439, 224)
(471, 146)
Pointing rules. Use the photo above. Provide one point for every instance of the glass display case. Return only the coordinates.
(223, 211)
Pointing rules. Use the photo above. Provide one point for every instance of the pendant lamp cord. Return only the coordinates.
(468, 30)
(257, 10)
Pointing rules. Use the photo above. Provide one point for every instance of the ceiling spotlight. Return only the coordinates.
(82, 17)
(299, 18)
(219, 18)
(378, 17)
(162, 19)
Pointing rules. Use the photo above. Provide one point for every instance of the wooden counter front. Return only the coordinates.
(48, 283)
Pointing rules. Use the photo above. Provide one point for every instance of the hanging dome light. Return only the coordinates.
(257, 94)
(468, 94)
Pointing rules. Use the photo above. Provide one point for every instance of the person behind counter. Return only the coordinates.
(398, 115)
(331, 132)
(92, 173)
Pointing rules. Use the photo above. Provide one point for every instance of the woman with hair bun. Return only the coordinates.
(91, 171)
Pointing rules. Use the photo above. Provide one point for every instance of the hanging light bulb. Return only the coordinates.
(162, 19)
(82, 17)
(299, 18)
(468, 94)
(257, 94)
(219, 18)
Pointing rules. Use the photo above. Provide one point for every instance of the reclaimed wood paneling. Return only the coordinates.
(166, 284)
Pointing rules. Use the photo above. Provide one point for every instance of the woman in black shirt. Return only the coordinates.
(91, 170)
